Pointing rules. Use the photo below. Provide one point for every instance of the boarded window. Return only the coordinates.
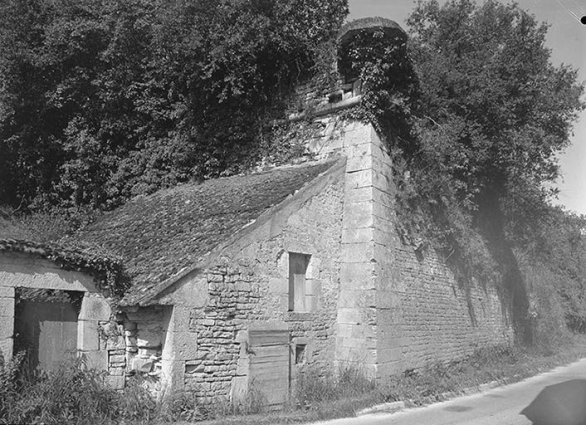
(297, 270)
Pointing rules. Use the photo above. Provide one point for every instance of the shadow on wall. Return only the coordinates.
(512, 291)
(46, 326)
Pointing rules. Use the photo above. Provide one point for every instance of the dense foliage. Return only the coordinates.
(103, 100)
(475, 115)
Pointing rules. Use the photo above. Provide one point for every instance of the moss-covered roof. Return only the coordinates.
(160, 235)
(106, 269)
(391, 28)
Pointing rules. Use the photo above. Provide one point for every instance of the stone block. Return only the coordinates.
(357, 252)
(344, 330)
(6, 327)
(192, 369)
(358, 235)
(243, 366)
(381, 179)
(117, 358)
(359, 163)
(96, 359)
(239, 388)
(6, 348)
(382, 197)
(387, 214)
(360, 134)
(173, 374)
(141, 365)
(359, 179)
(355, 276)
(149, 352)
(180, 317)
(349, 299)
(7, 307)
(180, 346)
(94, 308)
(87, 335)
(355, 151)
(117, 371)
(6, 292)
(361, 194)
(349, 315)
(358, 215)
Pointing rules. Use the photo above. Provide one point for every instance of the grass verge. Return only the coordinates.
(329, 398)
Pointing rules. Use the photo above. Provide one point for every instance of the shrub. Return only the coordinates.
(546, 309)
(72, 393)
(313, 386)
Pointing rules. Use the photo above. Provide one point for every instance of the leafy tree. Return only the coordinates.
(496, 111)
(103, 100)
(475, 125)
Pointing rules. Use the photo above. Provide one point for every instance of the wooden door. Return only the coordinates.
(48, 331)
(269, 366)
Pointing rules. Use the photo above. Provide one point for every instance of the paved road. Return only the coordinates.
(500, 406)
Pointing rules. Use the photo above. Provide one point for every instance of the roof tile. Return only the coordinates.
(160, 235)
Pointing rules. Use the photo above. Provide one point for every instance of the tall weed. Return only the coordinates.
(314, 386)
(72, 394)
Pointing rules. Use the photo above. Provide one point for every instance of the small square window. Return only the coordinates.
(300, 353)
(297, 270)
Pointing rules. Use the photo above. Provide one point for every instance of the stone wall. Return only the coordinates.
(398, 309)
(25, 270)
(248, 289)
(436, 319)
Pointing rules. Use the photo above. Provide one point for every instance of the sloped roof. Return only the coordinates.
(160, 235)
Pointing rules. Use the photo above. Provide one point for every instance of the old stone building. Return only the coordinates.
(241, 282)
(55, 302)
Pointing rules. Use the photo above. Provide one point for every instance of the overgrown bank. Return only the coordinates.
(73, 394)
(330, 398)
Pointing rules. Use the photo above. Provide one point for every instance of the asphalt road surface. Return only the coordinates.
(501, 406)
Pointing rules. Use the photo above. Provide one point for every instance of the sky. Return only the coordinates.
(567, 40)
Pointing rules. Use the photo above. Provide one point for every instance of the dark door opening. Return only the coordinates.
(46, 328)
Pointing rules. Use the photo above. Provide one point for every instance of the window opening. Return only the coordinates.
(300, 353)
(297, 275)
